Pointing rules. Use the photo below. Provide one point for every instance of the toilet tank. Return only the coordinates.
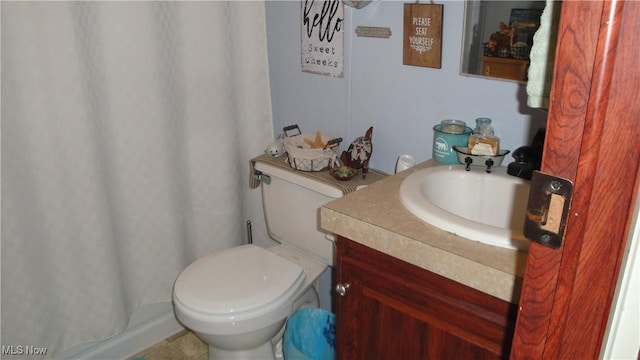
(291, 201)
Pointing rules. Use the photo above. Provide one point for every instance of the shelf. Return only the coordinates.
(505, 68)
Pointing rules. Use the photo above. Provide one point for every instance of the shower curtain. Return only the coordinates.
(127, 129)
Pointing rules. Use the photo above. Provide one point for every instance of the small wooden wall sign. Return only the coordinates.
(422, 43)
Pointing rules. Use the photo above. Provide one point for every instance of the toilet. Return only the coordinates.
(238, 299)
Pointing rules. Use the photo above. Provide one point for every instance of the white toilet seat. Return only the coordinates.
(237, 284)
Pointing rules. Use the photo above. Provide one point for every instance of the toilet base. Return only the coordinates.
(254, 345)
(264, 351)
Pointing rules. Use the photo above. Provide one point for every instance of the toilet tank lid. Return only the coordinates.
(236, 280)
(299, 178)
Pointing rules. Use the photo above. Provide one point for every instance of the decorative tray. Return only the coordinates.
(343, 173)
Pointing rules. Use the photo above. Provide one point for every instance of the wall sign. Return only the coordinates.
(322, 37)
(422, 42)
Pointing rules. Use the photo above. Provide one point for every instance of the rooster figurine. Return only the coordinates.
(359, 153)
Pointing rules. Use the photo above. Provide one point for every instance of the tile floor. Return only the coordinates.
(182, 346)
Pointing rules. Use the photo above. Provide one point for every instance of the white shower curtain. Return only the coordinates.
(127, 129)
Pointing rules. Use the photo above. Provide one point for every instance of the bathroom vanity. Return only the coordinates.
(387, 308)
(406, 289)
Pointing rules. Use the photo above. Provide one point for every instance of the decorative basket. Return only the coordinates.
(301, 156)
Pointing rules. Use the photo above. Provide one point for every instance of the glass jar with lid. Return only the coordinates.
(451, 126)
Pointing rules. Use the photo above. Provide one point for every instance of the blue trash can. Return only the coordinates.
(310, 335)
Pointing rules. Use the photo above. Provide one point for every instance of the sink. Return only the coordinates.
(476, 205)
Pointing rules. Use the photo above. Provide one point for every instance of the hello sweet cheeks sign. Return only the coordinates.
(322, 37)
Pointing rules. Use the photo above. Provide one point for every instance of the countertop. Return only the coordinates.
(374, 217)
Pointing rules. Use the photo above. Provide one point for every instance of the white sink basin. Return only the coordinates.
(489, 208)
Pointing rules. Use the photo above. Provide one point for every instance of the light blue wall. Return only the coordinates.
(401, 102)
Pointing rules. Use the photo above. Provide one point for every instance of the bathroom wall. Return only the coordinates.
(401, 102)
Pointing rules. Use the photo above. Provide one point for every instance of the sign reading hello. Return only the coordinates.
(322, 30)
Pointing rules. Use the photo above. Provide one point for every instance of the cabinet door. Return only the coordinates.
(393, 310)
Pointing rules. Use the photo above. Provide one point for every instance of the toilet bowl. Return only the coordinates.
(238, 299)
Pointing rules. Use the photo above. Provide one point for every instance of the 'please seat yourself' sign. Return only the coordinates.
(422, 42)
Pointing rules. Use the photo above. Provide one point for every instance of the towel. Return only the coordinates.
(323, 176)
(543, 54)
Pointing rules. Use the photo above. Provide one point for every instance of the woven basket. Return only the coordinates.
(301, 156)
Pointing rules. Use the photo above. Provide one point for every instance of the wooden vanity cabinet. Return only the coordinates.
(394, 310)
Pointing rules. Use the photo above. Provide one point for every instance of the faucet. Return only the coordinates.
(528, 158)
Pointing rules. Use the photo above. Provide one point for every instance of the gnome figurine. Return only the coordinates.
(359, 153)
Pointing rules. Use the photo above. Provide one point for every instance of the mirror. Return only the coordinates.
(497, 38)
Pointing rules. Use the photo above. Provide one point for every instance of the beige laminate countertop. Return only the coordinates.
(375, 217)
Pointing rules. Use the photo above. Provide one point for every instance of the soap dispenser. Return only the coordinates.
(482, 140)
